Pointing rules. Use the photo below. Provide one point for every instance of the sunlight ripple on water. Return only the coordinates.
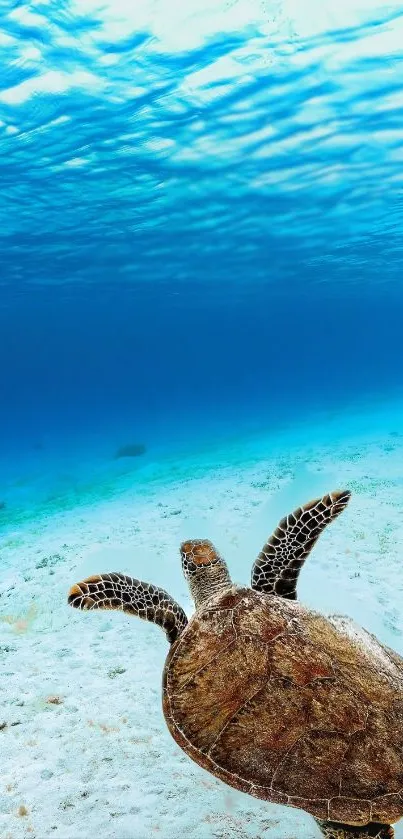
(198, 138)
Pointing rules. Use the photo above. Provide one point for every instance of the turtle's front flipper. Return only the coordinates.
(278, 565)
(116, 591)
(332, 830)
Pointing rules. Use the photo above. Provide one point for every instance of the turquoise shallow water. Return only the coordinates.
(200, 249)
(81, 695)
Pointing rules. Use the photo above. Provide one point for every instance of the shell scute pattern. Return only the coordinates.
(214, 700)
(299, 661)
(265, 623)
(387, 808)
(270, 721)
(319, 749)
(340, 809)
(324, 719)
(197, 649)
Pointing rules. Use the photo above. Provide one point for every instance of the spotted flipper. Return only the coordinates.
(116, 591)
(333, 830)
(278, 565)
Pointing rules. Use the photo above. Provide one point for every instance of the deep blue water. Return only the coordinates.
(201, 222)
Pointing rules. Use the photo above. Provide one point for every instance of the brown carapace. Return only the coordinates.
(271, 697)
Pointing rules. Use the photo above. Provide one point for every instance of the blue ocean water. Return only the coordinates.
(201, 236)
(200, 221)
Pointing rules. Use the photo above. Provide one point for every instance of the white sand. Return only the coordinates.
(98, 761)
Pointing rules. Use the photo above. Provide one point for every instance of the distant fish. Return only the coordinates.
(131, 450)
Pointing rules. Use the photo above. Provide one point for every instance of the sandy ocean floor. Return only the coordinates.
(84, 747)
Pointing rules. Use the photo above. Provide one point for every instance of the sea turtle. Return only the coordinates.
(269, 696)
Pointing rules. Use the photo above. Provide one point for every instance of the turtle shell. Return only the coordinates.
(289, 706)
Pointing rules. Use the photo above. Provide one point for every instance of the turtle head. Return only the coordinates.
(205, 570)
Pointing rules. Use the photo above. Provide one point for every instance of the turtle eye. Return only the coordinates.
(198, 552)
